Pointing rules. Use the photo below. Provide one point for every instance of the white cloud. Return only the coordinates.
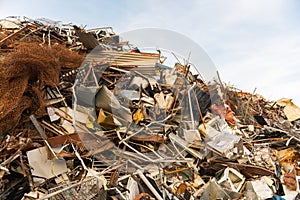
(253, 43)
(273, 68)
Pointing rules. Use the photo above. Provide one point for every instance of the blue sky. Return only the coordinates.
(253, 43)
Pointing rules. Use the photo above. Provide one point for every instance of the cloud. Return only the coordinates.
(272, 67)
(253, 43)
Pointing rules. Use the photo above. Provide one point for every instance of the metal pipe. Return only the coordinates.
(152, 189)
(190, 104)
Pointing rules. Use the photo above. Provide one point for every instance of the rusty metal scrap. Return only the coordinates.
(140, 129)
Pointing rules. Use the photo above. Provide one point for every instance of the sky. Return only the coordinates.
(253, 43)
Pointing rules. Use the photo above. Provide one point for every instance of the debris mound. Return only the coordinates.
(84, 115)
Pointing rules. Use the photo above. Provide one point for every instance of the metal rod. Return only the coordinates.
(42, 133)
(152, 189)
(190, 104)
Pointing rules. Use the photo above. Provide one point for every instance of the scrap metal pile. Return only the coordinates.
(84, 115)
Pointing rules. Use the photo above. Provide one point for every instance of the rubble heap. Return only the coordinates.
(87, 116)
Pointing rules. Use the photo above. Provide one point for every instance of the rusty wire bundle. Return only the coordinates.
(24, 73)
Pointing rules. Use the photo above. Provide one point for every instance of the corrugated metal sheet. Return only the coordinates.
(121, 58)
